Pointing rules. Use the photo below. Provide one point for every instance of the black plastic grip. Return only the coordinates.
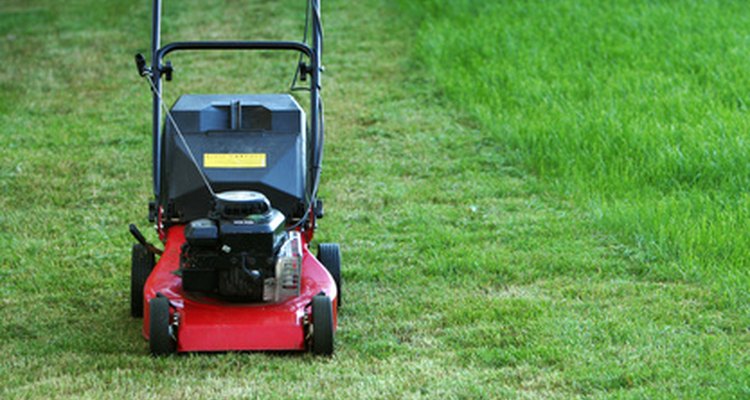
(140, 63)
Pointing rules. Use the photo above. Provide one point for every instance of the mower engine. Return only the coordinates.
(242, 251)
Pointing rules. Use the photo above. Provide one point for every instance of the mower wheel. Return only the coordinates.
(141, 263)
(329, 254)
(160, 339)
(322, 317)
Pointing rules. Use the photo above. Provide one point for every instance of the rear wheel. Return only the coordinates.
(141, 264)
(160, 335)
(322, 323)
(329, 254)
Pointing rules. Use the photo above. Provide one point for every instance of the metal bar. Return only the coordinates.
(233, 45)
(316, 124)
(156, 110)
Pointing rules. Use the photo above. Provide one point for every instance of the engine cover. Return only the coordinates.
(231, 256)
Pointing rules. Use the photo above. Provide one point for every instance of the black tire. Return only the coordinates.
(141, 264)
(322, 322)
(329, 254)
(160, 338)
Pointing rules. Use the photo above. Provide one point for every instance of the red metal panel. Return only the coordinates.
(207, 324)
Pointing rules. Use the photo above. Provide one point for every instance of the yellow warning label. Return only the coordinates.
(234, 160)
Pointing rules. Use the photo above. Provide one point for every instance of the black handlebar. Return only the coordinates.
(233, 45)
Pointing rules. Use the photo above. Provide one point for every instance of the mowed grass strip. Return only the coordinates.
(465, 278)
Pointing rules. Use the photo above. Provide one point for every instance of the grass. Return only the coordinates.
(471, 270)
(635, 110)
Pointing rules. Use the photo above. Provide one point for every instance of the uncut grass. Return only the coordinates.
(637, 110)
(464, 279)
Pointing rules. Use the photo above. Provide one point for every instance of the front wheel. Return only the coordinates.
(161, 338)
(322, 324)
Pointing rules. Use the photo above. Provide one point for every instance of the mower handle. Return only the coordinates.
(231, 45)
(312, 51)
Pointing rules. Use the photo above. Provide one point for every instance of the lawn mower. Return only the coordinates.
(235, 180)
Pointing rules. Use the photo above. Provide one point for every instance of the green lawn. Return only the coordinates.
(534, 199)
(635, 110)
